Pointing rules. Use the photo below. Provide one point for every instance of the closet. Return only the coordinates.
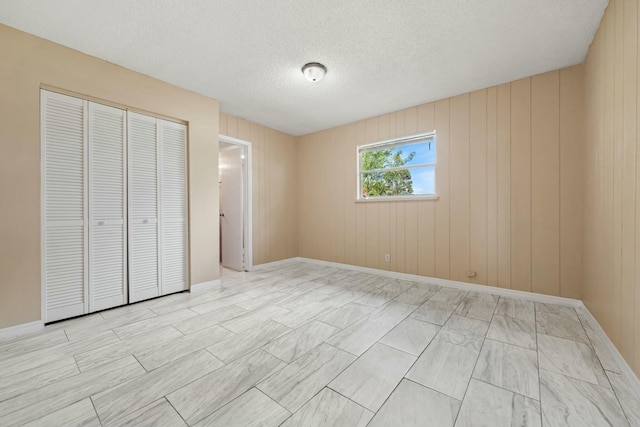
(114, 206)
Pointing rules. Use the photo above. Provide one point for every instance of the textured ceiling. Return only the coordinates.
(381, 55)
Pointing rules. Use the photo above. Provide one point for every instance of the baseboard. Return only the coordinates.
(205, 286)
(19, 330)
(507, 293)
(625, 369)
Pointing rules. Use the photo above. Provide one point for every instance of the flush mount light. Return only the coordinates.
(314, 71)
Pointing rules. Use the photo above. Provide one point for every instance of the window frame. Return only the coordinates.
(396, 142)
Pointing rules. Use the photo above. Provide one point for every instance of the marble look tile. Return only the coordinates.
(452, 296)
(139, 392)
(296, 343)
(253, 319)
(436, 312)
(626, 396)
(567, 402)
(35, 378)
(464, 331)
(398, 286)
(303, 285)
(292, 386)
(483, 296)
(43, 401)
(476, 308)
(341, 298)
(108, 353)
(271, 298)
(373, 376)
(297, 299)
(79, 414)
(238, 345)
(196, 299)
(301, 315)
(206, 395)
(218, 304)
(378, 298)
(329, 409)
(411, 336)
(185, 300)
(560, 322)
(412, 405)
(21, 362)
(445, 367)
(415, 295)
(158, 302)
(158, 413)
(357, 338)
(148, 325)
(510, 367)
(513, 331)
(94, 319)
(429, 286)
(606, 359)
(570, 358)
(252, 409)
(154, 357)
(209, 319)
(485, 405)
(559, 310)
(80, 331)
(124, 311)
(516, 309)
(346, 315)
(32, 343)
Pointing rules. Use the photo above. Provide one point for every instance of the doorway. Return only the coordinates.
(234, 163)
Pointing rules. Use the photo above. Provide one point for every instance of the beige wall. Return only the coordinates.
(275, 202)
(612, 179)
(27, 63)
(508, 180)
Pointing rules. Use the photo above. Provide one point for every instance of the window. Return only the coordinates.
(400, 168)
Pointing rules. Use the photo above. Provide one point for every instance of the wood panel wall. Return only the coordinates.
(509, 182)
(612, 179)
(275, 201)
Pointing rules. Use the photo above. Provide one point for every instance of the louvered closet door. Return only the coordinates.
(144, 281)
(173, 202)
(64, 206)
(107, 207)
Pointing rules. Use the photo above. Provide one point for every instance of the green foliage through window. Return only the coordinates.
(392, 183)
(404, 167)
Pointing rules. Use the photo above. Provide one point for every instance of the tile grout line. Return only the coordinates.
(348, 398)
(95, 410)
(475, 364)
(174, 408)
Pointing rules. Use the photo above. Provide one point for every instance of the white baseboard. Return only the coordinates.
(625, 369)
(19, 330)
(205, 286)
(507, 293)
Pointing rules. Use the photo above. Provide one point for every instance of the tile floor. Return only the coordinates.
(302, 344)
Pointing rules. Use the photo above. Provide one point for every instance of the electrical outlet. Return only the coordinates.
(387, 257)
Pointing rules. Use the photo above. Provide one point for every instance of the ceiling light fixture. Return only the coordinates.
(314, 71)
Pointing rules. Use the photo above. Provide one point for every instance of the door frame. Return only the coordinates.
(248, 196)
